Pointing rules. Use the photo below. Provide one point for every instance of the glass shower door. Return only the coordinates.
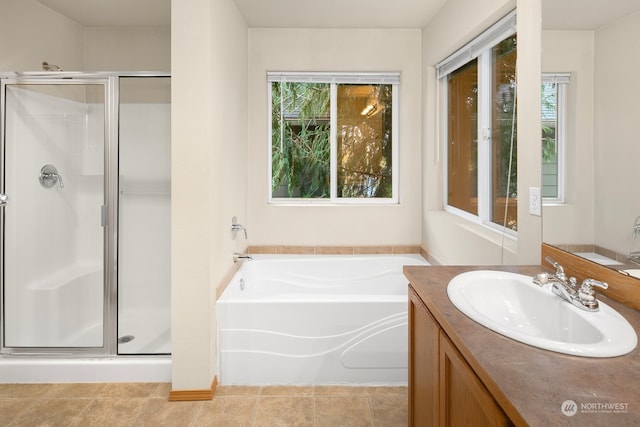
(53, 177)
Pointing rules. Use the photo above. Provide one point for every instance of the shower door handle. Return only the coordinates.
(4, 199)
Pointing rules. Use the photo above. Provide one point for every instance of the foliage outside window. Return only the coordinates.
(504, 169)
(332, 141)
(553, 135)
(482, 136)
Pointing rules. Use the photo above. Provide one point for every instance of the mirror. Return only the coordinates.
(593, 41)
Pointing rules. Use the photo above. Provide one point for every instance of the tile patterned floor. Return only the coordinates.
(145, 404)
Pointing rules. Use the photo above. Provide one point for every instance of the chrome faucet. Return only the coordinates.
(238, 256)
(560, 275)
(566, 288)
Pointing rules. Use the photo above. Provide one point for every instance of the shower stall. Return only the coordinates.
(84, 215)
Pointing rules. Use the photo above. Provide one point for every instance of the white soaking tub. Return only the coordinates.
(318, 319)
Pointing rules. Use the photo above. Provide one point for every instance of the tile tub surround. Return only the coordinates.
(143, 404)
(342, 250)
(333, 250)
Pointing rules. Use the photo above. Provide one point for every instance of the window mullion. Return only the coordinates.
(333, 107)
(561, 99)
(484, 136)
(396, 154)
(444, 136)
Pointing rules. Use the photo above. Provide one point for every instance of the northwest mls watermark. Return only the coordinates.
(570, 408)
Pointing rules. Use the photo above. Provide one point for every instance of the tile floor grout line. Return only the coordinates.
(24, 411)
(313, 405)
(86, 408)
(141, 411)
(255, 406)
(198, 412)
(373, 420)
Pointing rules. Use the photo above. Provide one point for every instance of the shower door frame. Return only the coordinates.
(110, 81)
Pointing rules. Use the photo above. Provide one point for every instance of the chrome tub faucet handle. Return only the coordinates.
(235, 227)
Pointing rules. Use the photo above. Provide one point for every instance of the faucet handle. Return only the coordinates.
(593, 282)
(586, 293)
(557, 266)
(235, 227)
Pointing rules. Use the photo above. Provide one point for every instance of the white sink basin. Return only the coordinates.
(512, 305)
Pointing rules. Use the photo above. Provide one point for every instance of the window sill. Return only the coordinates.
(334, 203)
(490, 232)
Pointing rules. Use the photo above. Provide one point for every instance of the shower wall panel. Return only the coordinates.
(144, 312)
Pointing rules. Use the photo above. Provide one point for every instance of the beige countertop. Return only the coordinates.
(531, 384)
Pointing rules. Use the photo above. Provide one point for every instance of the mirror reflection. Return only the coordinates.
(591, 123)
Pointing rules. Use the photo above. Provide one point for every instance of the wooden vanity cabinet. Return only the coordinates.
(443, 389)
(424, 334)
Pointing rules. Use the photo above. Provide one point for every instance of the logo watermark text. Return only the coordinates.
(571, 408)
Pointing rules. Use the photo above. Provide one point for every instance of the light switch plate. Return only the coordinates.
(535, 201)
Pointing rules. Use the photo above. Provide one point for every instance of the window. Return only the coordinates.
(554, 88)
(333, 138)
(481, 135)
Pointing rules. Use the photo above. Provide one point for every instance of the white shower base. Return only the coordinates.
(151, 329)
(32, 369)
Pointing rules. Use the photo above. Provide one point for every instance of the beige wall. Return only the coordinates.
(617, 126)
(209, 134)
(31, 33)
(334, 50)
(572, 222)
(444, 234)
(127, 49)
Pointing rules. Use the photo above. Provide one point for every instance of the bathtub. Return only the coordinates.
(315, 320)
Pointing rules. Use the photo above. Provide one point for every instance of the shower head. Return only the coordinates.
(50, 67)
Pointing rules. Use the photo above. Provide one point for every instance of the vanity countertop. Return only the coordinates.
(531, 384)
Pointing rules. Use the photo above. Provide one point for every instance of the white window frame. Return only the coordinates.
(479, 48)
(389, 78)
(562, 81)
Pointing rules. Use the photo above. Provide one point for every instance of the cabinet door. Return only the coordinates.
(423, 365)
(464, 400)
